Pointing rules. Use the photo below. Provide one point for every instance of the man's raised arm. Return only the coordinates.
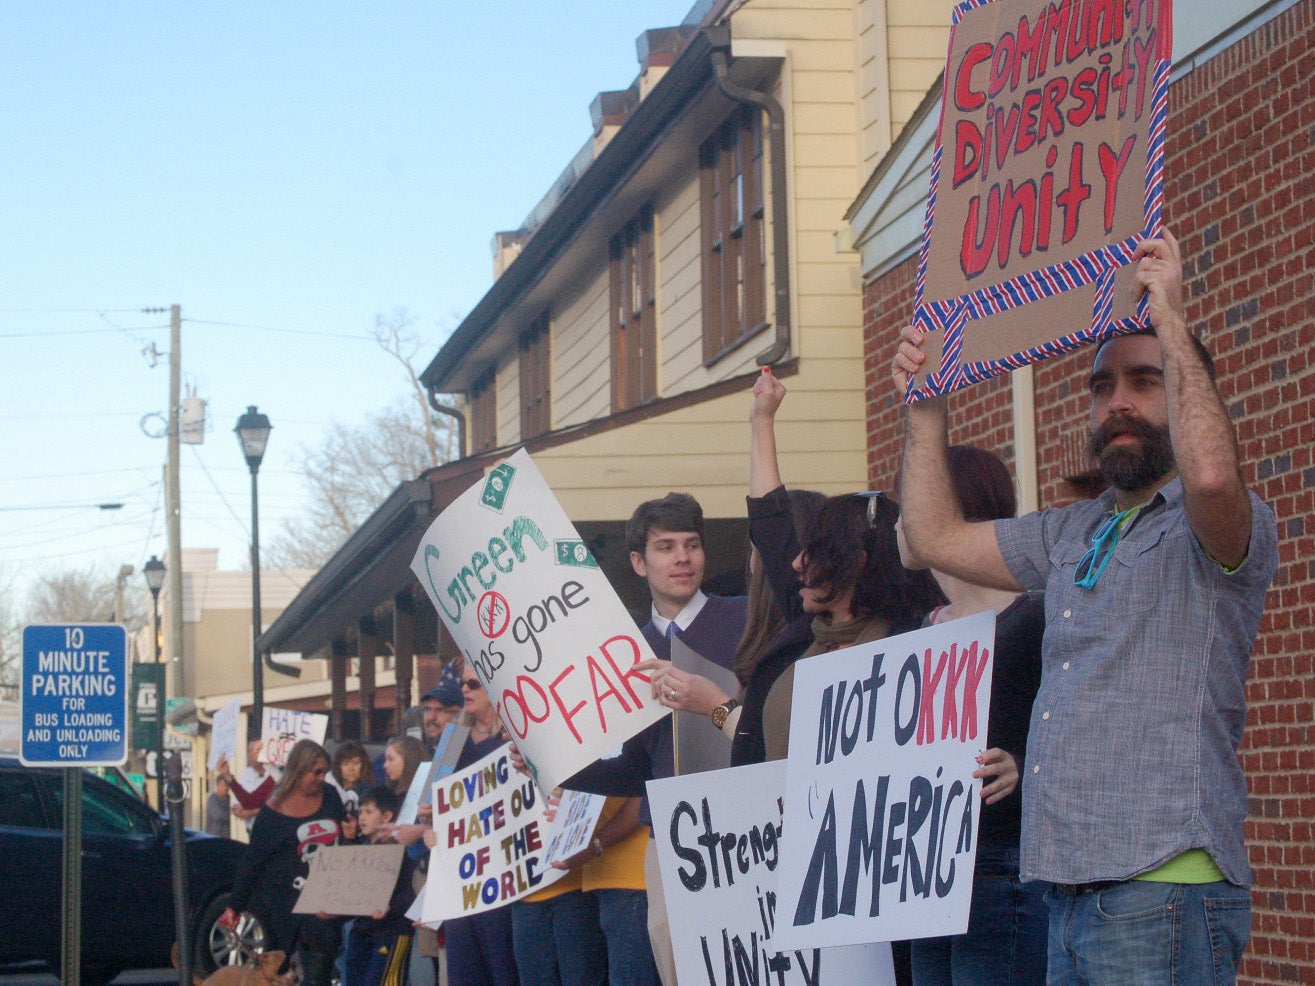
(934, 527)
(1204, 443)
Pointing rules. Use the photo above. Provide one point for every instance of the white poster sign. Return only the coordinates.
(344, 880)
(720, 850)
(572, 821)
(282, 729)
(223, 734)
(491, 840)
(881, 806)
(537, 620)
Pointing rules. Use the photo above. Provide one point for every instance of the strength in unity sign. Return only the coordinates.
(1045, 176)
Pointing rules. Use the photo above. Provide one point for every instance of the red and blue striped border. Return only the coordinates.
(1095, 268)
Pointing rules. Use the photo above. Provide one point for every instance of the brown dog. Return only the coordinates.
(265, 973)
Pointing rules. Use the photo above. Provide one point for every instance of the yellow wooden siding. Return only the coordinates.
(831, 278)
(794, 21)
(821, 440)
(826, 118)
(582, 356)
(918, 35)
(873, 110)
(509, 400)
(680, 281)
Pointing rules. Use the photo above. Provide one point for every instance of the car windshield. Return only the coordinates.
(106, 811)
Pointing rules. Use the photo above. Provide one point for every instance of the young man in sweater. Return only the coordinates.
(665, 538)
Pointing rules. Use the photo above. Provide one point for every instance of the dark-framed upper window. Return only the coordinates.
(536, 378)
(633, 294)
(484, 413)
(733, 233)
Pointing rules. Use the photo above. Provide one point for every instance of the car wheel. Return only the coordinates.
(216, 946)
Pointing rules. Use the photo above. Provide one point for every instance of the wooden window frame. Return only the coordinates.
(536, 378)
(484, 413)
(632, 292)
(733, 238)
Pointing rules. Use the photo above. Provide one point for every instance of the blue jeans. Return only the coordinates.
(1005, 943)
(479, 949)
(623, 915)
(1139, 933)
(558, 941)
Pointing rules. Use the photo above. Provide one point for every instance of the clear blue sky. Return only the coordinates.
(284, 172)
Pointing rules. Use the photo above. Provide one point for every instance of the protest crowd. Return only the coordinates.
(1107, 845)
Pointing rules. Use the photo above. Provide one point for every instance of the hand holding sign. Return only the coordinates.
(538, 622)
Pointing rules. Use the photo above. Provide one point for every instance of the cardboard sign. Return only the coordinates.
(537, 621)
(719, 848)
(491, 837)
(700, 745)
(881, 808)
(223, 734)
(346, 880)
(446, 754)
(282, 729)
(1045, 176)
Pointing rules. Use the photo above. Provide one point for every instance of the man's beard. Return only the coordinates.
(1132, 467)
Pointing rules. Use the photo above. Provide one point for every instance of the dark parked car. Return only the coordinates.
(127, 886)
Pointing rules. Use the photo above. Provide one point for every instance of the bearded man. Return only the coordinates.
(1133, 797)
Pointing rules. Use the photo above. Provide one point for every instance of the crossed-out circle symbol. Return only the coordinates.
(493, 614)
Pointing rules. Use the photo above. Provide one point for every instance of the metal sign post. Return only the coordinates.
(73, 713)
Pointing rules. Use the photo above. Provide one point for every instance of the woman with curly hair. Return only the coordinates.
(838, 582)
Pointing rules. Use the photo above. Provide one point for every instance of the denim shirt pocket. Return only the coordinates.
(1131, 583)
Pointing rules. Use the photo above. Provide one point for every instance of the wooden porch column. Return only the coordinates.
(403, 654)
(367, 647)
(338, 688)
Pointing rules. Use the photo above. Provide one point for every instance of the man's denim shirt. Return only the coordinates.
(1132, 752)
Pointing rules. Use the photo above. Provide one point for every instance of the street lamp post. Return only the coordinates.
(154, 572)
(252, 432)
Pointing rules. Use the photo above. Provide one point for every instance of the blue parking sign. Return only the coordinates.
(73, 709)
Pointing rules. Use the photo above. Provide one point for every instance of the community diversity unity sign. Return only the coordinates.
(1046, 174)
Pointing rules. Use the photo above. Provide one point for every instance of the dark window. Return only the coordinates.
(107, 811)
(484, 414)
(633, 293)
(536, 374)
(20, 803)
(733, 237)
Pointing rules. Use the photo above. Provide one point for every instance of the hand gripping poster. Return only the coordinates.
(492, 833)
(719, 847)
(537, 621)
(1045, 176)
(881, 808)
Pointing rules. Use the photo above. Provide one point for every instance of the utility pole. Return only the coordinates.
(175, 514)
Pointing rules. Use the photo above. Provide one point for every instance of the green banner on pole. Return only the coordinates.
(147, 695)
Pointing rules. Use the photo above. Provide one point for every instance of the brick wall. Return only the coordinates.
(1240, 194)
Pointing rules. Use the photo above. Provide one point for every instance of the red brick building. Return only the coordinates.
(1240, 195)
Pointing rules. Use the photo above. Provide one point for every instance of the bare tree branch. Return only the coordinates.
(354, 468)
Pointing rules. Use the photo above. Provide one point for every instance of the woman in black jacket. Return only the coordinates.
(302, 815)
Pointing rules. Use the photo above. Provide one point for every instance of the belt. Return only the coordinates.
(1078, 889)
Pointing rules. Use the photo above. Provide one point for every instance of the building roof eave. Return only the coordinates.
(360, 574)
(672, 98)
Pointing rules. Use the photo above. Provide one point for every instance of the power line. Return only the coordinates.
(274, 328)
(222, 499)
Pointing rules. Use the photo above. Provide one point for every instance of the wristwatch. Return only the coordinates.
(721, 712)
(598, 845)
